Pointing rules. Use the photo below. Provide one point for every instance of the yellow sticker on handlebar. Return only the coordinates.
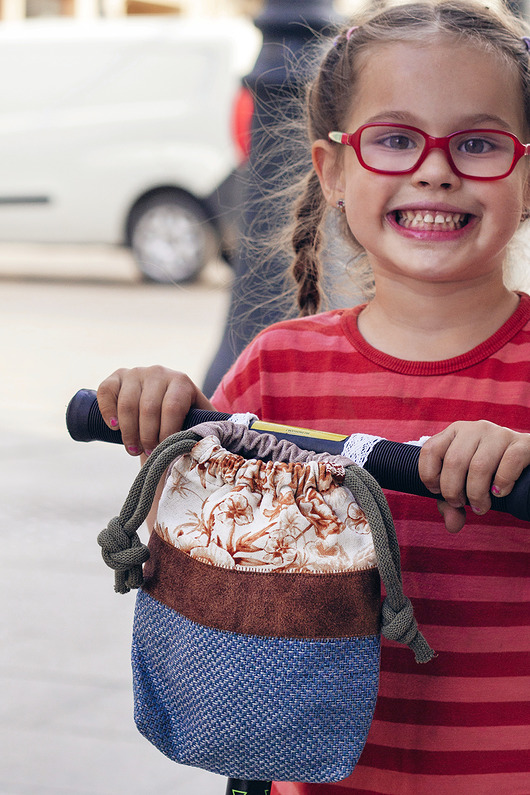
(290, 430)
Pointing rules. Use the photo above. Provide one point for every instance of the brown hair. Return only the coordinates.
(329, 99)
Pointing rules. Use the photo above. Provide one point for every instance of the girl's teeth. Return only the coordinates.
(418, 218)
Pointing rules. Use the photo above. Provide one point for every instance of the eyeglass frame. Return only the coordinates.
(431, 142)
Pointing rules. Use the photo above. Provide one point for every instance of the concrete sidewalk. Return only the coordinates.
(66, 725)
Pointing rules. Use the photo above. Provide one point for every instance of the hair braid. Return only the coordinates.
(307, 242)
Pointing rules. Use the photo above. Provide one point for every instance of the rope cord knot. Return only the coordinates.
(120, 544)
(400, 625)
(124, 553)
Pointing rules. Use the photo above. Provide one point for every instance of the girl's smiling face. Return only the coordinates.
(440, 87)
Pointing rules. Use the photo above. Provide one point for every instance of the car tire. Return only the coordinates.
(171, 237)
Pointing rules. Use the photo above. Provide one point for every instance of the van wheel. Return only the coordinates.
(170, 237)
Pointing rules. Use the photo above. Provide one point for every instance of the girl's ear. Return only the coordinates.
(328, 166)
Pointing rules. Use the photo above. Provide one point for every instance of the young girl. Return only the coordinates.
(418, 120)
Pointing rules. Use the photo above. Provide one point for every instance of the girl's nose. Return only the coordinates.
(436, 171)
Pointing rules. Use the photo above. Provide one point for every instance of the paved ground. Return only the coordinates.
(68, 317)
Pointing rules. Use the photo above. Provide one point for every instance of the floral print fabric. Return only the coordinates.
(227, 511)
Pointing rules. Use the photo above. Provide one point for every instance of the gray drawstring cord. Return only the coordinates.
(398, 622)
(120, 544)
(123, 551)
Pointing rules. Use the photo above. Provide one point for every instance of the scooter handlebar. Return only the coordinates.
(394, 465)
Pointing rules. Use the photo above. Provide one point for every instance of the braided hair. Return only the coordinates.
(330, 96)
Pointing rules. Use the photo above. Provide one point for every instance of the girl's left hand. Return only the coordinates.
(469, 461)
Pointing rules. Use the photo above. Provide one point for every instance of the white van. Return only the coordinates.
(119, 131)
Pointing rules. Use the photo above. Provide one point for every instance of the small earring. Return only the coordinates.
(341, 205)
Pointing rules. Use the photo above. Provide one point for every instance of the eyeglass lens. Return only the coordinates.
(476, 153)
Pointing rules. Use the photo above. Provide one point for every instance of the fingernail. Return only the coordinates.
(133, 449)
(478, 511)
(148, 452)
(495, 490)
(114, 422)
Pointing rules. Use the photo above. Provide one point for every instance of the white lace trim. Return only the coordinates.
(420, 441)
(359, 446)
(243, 419)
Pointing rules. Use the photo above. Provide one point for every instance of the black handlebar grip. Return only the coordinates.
(198, 416)
(394, 465)
(84, 420)
(85, 423)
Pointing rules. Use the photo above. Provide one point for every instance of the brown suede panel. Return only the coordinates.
(277, 605)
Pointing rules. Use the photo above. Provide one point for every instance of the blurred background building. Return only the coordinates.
(85, 9)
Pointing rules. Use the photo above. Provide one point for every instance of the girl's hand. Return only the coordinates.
(469, 461)
(148, 404)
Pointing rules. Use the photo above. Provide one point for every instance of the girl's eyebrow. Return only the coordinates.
(467, 122)
(488, 120)
(401, 117)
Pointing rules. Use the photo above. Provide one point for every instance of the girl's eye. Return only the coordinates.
(476, 146)
(398, 141)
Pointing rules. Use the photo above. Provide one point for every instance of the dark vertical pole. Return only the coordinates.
(237, 786)
(287, 26)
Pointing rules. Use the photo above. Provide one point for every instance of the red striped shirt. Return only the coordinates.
(461, 722)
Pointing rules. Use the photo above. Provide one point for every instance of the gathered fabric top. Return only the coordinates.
(228, 511)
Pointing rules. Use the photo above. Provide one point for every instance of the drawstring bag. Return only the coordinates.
(257, 627)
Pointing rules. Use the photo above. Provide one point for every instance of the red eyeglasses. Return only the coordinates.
(400, 149)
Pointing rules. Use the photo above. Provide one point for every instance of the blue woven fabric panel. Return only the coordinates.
(252, 707)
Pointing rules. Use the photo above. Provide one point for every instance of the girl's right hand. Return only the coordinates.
(148, 404)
